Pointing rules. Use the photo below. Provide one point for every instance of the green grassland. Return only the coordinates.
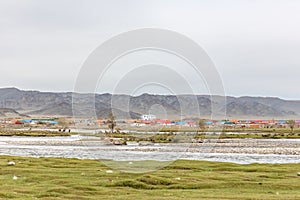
(59, 178)
(229, 130)
(11, 132)
(188, 137)
(169, 135)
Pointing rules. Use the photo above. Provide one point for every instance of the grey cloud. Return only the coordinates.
(254, 44)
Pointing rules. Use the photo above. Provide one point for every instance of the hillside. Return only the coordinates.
(37, 103)
(10, 113)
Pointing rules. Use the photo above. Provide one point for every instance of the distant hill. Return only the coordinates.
(37, 103)
(10, 113)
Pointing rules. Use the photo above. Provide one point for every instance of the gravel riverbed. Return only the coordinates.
(235, 150)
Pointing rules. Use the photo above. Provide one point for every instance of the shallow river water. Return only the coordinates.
(241, 151)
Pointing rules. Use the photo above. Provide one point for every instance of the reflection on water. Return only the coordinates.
(85, 147)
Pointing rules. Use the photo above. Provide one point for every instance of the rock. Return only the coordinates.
(11, 163)
(15, 178)
(109, 171)
(178, 179)
(298, 173)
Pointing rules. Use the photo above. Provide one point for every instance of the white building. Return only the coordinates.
(148, 117)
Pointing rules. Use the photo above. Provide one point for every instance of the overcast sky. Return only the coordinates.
(254, 44)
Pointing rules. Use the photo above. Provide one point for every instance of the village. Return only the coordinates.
(145, 121)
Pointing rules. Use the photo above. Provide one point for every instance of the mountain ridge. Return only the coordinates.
(36, 103)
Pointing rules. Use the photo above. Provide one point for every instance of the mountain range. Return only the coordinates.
(35, 103)
(10, 113)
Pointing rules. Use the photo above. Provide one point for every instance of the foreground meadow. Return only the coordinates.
(58, 178)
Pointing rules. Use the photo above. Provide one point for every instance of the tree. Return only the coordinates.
(202, 124)
(111, 122)
(292, 124)
(63, 122)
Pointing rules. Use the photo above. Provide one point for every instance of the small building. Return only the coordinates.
(148, 117)
(254, 126)
(18, 122)
(181, 123)
(50, 121)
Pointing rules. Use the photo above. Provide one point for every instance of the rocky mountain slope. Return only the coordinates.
(10, 113)
(37, 103)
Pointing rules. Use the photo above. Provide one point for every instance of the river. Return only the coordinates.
(242, 151)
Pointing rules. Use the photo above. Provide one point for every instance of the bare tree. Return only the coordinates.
(292, 124)
(202, 124)
(63, 122)
(111, 122)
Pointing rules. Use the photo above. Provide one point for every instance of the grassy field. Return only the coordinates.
(11, 132)
(234, 130)
(168, 134)
(58, 178)
(172, 137)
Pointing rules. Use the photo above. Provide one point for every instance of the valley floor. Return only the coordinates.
(59, 178)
